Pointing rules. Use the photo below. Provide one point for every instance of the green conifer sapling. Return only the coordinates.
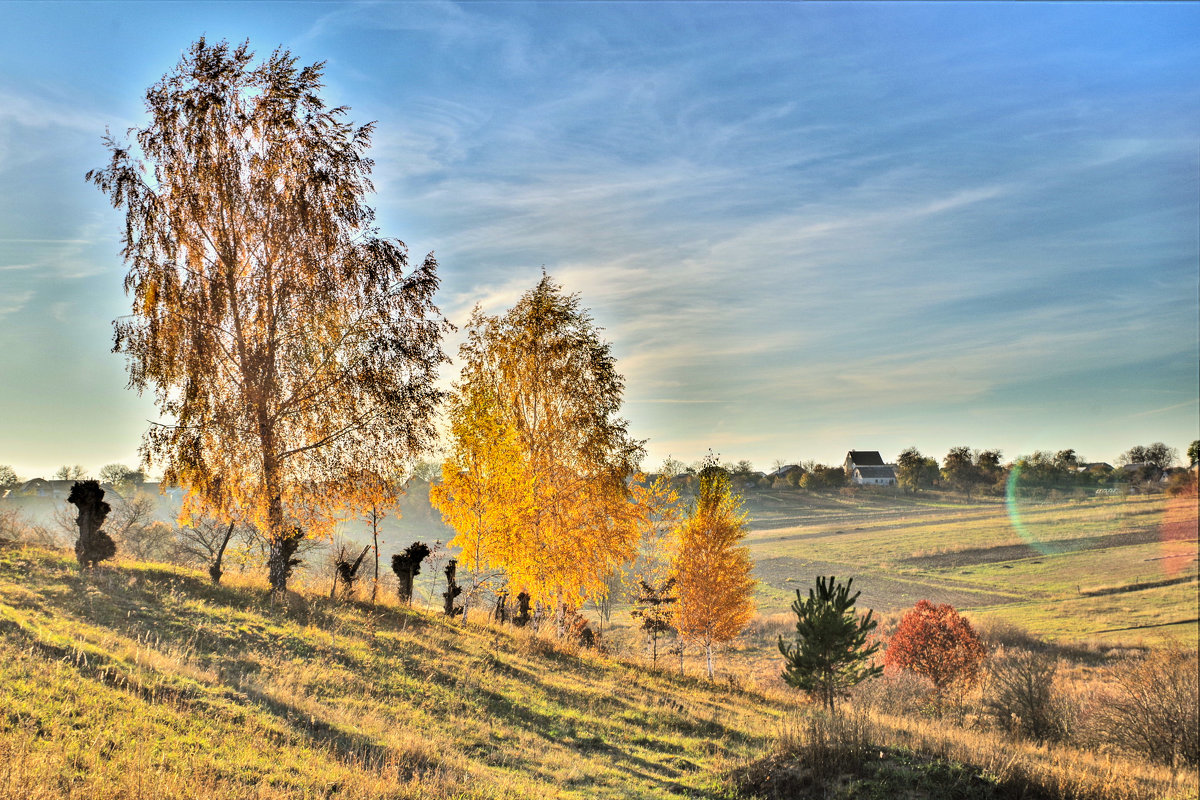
(830, 653)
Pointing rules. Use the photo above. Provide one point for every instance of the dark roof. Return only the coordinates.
(784, 471)
(876, 472)
(865, 458)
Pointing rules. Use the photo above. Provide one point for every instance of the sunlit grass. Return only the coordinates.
(144, 680)
(973, 556)
(150, 673)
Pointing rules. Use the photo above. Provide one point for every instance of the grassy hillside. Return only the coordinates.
(144, 681)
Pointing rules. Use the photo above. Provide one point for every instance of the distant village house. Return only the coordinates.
(867, 468)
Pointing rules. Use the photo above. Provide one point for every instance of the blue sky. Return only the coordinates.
(805, 228)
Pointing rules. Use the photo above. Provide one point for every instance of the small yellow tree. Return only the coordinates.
(712, 567)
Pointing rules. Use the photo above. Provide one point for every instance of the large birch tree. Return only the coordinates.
(536, 480)
(288, 343)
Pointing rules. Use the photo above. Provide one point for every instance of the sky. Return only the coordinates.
(804, 227)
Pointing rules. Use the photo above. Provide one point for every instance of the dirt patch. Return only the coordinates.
(1136, 587)
(879, 592)
(1013, 552)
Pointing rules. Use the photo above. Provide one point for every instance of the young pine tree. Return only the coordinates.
(652, 609)
(830, 653)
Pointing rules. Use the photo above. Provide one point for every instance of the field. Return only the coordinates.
(144, 681)
(1055, 569)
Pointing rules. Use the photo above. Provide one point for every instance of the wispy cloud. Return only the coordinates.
(1165, 409)
(32, 111)
(795, 223)
(13, 302)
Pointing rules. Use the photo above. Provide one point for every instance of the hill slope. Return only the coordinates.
(145, 681)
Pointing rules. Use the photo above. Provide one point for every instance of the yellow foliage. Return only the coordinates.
(712, 569)
(535, 483)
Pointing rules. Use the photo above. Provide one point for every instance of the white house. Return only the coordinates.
(866, 468)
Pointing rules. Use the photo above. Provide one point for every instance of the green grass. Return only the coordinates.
(145, 681)
(1030, 570)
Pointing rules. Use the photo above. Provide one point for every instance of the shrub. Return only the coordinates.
(938, 643)
(1152, 708)
(898, 692)
(814, 755)
(1021, 698)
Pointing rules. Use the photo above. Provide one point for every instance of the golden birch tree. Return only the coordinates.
(713, 580)
(287, 343)
(485, 488)
(536, 483)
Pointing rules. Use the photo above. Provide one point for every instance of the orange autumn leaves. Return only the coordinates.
(935, 641)
(712, 568)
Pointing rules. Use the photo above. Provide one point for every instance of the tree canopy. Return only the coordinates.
(8, 478)
(915, 471)
(286, 341)
(1157, 455)
(935, 641)
(535, 482)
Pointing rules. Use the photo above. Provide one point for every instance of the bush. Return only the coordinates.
(1020, 695)
(937, 642)
(813, 756)
(1152, 708)
(899, 693)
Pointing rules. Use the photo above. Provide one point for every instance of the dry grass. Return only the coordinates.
(145, 681)
(868, 753)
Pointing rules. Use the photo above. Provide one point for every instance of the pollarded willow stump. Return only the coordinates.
(523, 616)
(407, 566)
(453, 590)
(93, 545)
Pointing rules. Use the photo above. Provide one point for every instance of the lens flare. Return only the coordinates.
(1176, 528)
(1014, 515)
(1178, 534)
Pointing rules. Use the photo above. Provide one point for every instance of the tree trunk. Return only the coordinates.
(283, 542)
(214, 569)
(523, 616)
(405, 585)
(279, 563)
(500, 614)
(708, 656)
(453, 590)
(375, 541)
(560, 617)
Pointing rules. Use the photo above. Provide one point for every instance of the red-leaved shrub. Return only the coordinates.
(936, 642)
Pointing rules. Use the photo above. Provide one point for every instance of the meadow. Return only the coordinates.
(143, 680)
(1114, 569)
